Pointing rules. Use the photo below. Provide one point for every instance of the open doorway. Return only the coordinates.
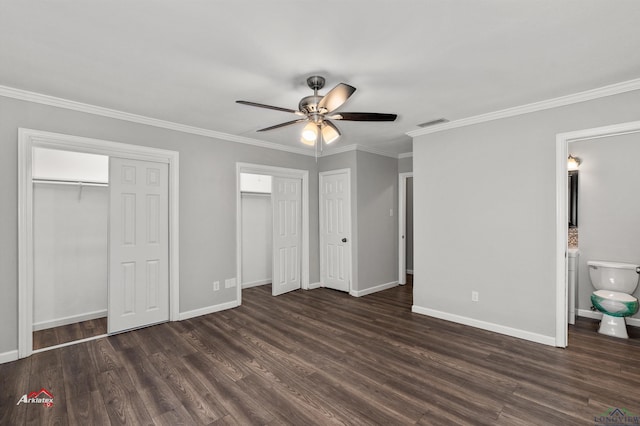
(563, 140)
(405, 228)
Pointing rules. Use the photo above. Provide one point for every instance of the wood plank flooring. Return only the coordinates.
(324, 357)
(69, 333)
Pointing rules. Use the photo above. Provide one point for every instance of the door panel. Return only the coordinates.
(286, 197)
(138, 244)
(335, 238)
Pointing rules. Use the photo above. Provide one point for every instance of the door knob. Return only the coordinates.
(344, 240)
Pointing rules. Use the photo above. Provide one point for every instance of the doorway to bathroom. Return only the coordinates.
(608, 211)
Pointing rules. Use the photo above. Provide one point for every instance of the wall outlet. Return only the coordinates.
(216, 285)
(474, 296)
(231, 282)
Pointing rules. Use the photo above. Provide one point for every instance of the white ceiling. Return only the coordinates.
(188, 61)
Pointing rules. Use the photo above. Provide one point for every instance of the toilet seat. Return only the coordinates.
(614, 303)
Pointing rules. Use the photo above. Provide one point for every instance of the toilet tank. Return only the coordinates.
(614, 276)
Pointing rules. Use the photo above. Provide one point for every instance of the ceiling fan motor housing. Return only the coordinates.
(309, 104)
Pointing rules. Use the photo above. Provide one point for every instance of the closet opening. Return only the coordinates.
(257, 229)
(70, 246)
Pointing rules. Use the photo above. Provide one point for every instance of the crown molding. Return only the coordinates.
(24, 95)
(601, 92)
(356, 147)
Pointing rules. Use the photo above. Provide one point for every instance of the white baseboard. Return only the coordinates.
(72, 319)
(313, 286)
(496, 328)
(375, 289)
(588, 313)
(256, 283)
(8, 356)
(410, 271)
(207, 310)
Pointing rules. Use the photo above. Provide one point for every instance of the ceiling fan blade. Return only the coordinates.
(277, 126)
(336, 97)
(293, 111)
(363, 116)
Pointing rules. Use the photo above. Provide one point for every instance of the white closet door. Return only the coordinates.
(138, 244)
(286, 199)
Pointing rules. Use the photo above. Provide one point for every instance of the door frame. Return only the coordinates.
(29, 139)
(402, 226)
(562, 142)
(262, 169)
(321, 236)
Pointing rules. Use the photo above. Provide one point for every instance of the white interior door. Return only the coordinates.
(138, 244)
(335, 230)
(286, 199)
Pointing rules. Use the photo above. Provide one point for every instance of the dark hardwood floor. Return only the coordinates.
(69, 333)
(324, 357)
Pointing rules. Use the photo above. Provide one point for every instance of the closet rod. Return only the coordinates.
(68, 182)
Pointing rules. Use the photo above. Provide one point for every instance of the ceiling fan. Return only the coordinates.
(318, 111)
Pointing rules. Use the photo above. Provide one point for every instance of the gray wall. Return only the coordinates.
(377, 229)
(207, 189)
(257, 239)
(485, 199)
(70, 274)
(608, 205)
(405, 165)
(374, 191)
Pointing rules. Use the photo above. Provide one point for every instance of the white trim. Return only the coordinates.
(73, 342)
(356, 147)
(601, 92)
(402, 226)
(25, 95)
(313, 286)
(8, 356)
(562, 141)
(208, 310)
(256, 283)
(496, 328)
(587, 313)
(405, 155)
(27, 140)
(410, 271)
(321, 237)
(374, 289)
(72, 319)
(280, 172)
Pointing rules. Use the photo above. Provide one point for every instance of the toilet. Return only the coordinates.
(614, 283)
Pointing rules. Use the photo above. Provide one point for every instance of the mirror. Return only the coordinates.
(573, 199)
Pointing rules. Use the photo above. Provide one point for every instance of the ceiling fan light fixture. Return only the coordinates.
(329, 134)
(309, 134)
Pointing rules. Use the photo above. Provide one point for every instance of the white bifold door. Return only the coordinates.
(335, 227)
(286, 201)
(138, 244)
